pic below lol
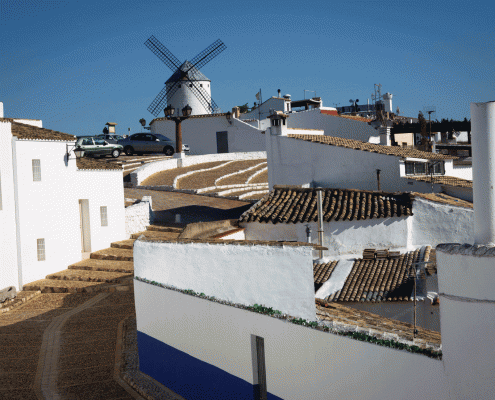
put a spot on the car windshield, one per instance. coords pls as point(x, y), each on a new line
point(163, 138)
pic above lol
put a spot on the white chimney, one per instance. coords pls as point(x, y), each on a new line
point(387, 101)
point(1, 109)
point(483, 147)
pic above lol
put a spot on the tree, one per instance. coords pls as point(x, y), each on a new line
point(244, 108)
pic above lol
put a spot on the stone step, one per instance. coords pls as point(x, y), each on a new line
point(90, 276)
point(123, 244)
point(59, 286)
point(156, 235)
point(104, 265)
point(178, 228)
point(112, 254)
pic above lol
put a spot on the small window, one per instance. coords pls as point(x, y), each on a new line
point(36, 170)
point(103, 215)
point(190, 85)
point(41, 249)
point(201, 85)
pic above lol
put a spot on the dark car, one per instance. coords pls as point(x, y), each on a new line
point(141, 143)
point(95, 147)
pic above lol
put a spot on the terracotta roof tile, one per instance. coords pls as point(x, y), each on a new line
point(24, 131)
point(323, 271)
point(88, 163)
point(370, 147)
point(290, 204)
point(385, 279)
point(443, 180)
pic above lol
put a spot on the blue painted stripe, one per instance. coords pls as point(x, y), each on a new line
point(189, 377)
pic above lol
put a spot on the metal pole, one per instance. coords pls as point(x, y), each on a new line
point(319, 199)
point(178, 135)
point(415, 331)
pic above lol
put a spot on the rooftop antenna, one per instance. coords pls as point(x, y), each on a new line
point(376, 96)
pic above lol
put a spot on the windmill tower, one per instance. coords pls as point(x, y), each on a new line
point(187, 85)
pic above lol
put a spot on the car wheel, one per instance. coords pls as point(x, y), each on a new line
point(129, 151)
point(168, 151)
point(115, 153)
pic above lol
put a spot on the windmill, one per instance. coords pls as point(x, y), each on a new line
point(187, 85)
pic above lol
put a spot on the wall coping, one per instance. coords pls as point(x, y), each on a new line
point(476, 250)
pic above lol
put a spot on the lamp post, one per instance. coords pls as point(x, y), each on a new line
point(169, 114)
point(415, 265)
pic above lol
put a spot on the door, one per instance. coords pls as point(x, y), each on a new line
point(222, 142)
point(84, 226)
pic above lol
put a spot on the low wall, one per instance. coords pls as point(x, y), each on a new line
point(275, 276)
point(138, 216)
point(149, 169)
point(211, 345)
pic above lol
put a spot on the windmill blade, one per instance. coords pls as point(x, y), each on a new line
point(163, 53)
point(206, 101)
point(158, 104)
point(208, 54)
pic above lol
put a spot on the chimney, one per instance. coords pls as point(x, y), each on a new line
point(1, 109)
point(483, 148)
point(279, 93)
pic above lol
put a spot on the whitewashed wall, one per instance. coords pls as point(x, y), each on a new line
point(435, 223)
point(238, 273)
point(460, 192)
point(200, 134)
point(340, 237)
point(49, 209)
point(8, 263)
point(33, 122)
point(137, 217)
point(462, 171)
point(275, 103)
point(467, 318)
point(332, 125)
point(301, 363)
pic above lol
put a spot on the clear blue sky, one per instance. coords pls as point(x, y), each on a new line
point(78, 64)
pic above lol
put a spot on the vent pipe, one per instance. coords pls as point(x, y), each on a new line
point(279, 93)
point(483, 148)
point(319, 200)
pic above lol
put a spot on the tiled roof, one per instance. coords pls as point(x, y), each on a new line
point(443, 180)
point(444, 199)
point(323, 271)
point(233, 242)
point(341, 314)
point(293, 204)
point(387, 279)
point(88, 163)
point(372, 148)
point(24, 131)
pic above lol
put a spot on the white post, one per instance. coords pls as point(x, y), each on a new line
point(319, 201)
point(1, 109)
point(483, 147)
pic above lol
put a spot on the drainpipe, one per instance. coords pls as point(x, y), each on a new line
point(319, 199)
point(378, 179)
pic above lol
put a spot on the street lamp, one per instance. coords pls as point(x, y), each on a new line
point(415, 265)
point(186, 113)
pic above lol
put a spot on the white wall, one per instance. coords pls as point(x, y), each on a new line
point(332, 125)
point(464, 193)
point(467, 304)
point(185, 96)
point(462, 171)
point(243, 274)
point(275, 103)
point(301, 363)
point(200, 134)
point(8, 263)
point(137, 217)
point(49, 209)
point(435, 223)
point(33, 122)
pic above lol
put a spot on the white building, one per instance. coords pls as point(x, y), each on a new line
point(213, 133)
point(52, 209)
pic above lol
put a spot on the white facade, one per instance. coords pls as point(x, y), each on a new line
point(263, 111)
point(187, 95)
point(206, 134)
point(244, 274)
point(50, 208)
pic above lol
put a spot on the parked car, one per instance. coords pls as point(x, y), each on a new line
point(95, 147)
point(141, 143)
point(110, 138)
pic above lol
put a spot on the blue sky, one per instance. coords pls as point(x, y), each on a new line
point(78, 64)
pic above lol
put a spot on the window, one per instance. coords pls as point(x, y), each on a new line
point(180, 86)
point(103, 215)
point(422, 168)
point(87, 142)
point(201, 85)
point(36, 170)
point(41, 249)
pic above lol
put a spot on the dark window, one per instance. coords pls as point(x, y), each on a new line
point(137, 137)
point(180, 86)
point(422, 168)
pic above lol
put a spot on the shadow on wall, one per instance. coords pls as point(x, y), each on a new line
point(195, 213)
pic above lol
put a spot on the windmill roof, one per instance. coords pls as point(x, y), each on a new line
point(194, 74)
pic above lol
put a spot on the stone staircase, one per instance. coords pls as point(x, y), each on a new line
point(106, 270)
